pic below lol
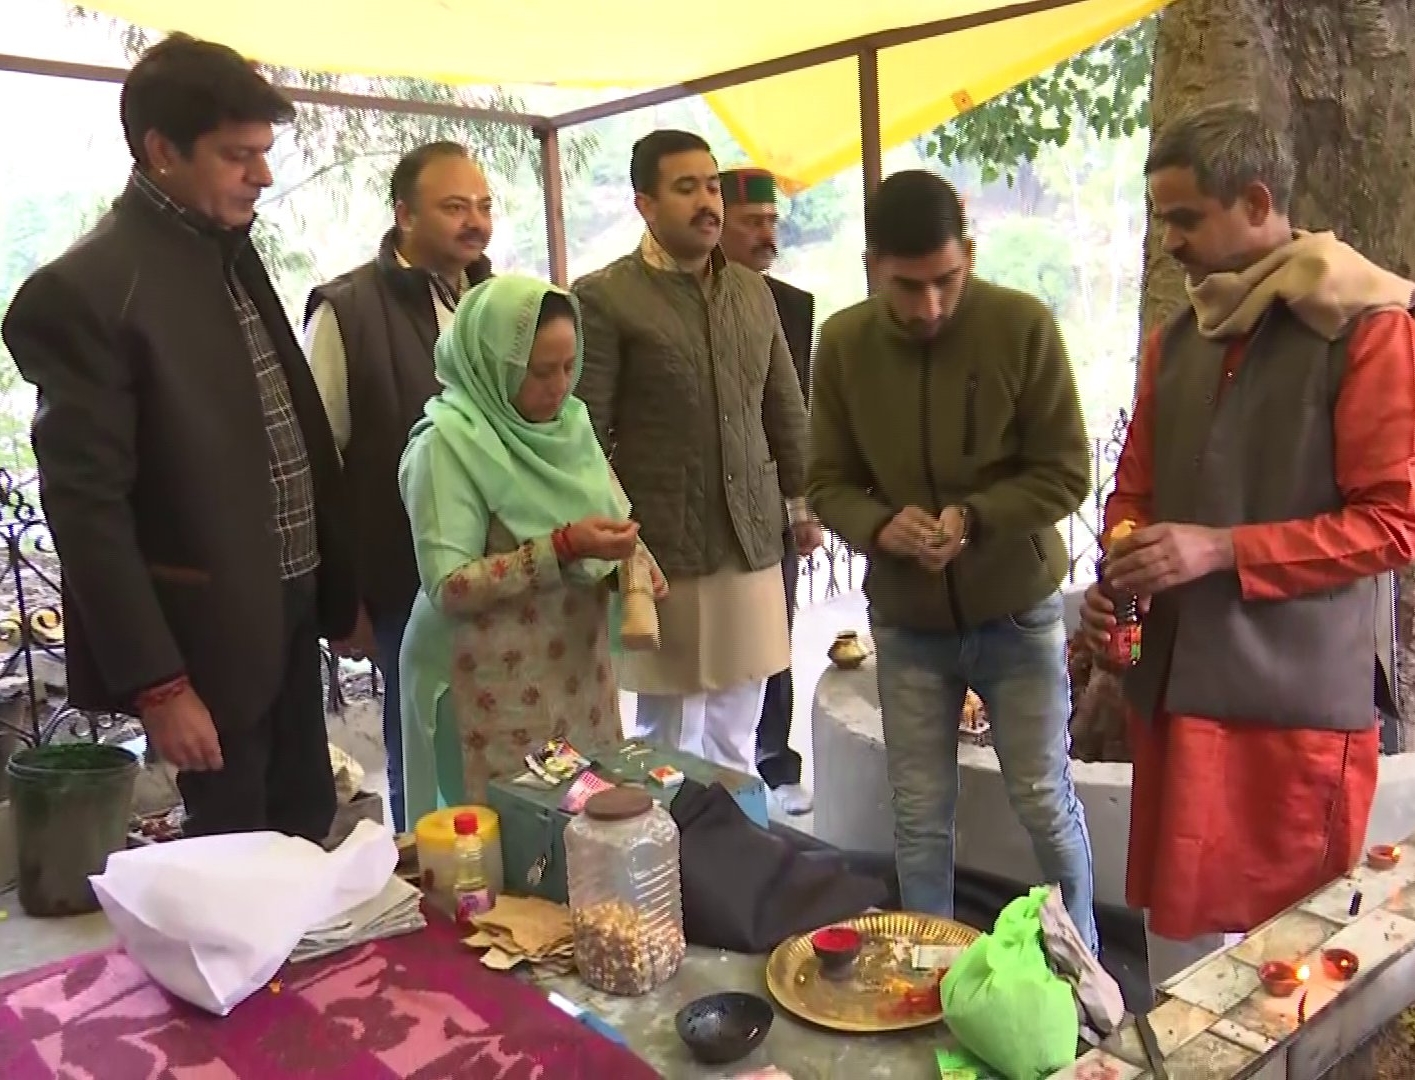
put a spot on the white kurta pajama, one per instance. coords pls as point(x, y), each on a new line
point(722, 635)
point(721, 638)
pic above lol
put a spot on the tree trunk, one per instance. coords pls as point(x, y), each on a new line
point(1339, 76)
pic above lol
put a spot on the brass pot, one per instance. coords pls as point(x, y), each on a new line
point(846, 651)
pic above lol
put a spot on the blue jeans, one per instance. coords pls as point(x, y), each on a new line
point(1017, 665)
point(388, 634)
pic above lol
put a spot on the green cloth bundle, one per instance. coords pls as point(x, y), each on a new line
point(1003, 1003)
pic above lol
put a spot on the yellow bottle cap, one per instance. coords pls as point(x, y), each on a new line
point(1119, 531)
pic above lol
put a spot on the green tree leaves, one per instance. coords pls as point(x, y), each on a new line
point(1106, 89)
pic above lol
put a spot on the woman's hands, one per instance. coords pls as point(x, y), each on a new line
point(599, 538)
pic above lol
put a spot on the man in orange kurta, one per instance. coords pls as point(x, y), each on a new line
point(1269, 466)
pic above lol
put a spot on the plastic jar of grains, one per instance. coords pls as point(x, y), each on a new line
point(626, 903)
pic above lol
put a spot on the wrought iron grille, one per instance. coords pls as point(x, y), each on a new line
point(32, 631)
point(33, 709)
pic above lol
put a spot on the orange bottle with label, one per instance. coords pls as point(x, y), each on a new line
point(1122, 650)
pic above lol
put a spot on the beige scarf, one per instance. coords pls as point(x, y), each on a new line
point(1324, 282)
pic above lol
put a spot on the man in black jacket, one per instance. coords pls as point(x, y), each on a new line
point(186, 468)
point(370, 336)
point(749, 238)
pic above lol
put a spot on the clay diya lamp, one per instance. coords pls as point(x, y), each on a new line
point(1340, 965)
point(1280, 978)
point(837, 948)
point(1383, 857)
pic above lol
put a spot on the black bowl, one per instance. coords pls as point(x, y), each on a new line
point(723, 1028)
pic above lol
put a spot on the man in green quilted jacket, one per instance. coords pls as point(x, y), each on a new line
point(689, 381)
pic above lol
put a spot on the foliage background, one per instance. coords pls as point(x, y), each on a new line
point(1050, 171)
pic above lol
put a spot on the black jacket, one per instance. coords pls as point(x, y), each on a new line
point(154, 467)
point(797, 309)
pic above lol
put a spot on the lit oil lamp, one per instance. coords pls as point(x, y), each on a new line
point(1383, 857)
point(1280, 979)
point(1340, 965)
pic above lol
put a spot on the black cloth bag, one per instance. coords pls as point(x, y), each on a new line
point(747, 890)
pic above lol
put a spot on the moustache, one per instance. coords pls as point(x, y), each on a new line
point(472, 236)
point(706, 217)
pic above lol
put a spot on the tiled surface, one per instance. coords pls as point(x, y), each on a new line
point(1377, 888)
point(1099, 1065)
point(1217, 985)
point(1175, 1022)
point(1205, 1057)
point(1404, 903)
point(1295, 934)
point(1216, 1022)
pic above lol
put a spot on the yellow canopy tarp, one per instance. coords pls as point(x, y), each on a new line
point(803, 125)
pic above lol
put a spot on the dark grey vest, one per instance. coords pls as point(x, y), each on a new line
point(389, 327)
point(1260, 449)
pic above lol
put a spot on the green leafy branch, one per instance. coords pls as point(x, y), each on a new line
point(1105, 88)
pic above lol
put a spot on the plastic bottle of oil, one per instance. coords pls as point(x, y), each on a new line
point(471, 892)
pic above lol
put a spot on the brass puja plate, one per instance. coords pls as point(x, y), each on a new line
point(860, 1003)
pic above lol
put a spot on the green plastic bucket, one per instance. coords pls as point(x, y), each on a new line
point(70, 804)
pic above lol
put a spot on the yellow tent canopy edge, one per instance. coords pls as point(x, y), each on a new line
point(803, 125)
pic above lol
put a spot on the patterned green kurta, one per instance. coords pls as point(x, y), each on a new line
point(502, 651)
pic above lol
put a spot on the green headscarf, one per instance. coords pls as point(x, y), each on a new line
point(534, 477)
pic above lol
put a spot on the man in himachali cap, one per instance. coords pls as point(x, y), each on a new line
point(749, 237)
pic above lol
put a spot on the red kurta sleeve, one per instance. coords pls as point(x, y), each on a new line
point(1374, 427)
point(1134, 472)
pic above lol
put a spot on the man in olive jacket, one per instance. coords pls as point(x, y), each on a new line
point(947, 442)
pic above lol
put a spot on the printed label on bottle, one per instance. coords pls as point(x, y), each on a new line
point(472, 902)
point(1123, 647)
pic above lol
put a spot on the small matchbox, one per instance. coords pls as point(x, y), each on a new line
point(666, 776)
point(932, 957)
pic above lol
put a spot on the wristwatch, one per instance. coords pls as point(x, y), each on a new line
point(967, 528)
point(942, 536)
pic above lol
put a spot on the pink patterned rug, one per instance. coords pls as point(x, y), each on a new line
point(419, 1007)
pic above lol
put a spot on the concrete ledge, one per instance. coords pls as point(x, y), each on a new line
point(1340, 1030)
point(853, 811)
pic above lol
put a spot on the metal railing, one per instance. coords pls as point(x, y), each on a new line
point(33, 708)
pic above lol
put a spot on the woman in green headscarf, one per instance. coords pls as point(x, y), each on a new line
point(508, 642)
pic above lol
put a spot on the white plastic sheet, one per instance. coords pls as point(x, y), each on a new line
point(213, 918)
